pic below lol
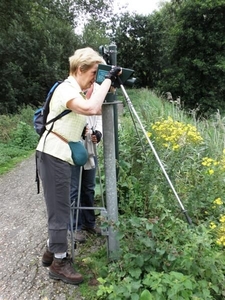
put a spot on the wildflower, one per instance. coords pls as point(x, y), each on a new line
point(176, 147)
point(222, 219)
point(221, 241)
point(218, 201)
point(210, 171)
point(207, 162)
point(212, 225)
point(175, 134)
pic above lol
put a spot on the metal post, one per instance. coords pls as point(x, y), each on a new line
point(110, 176)
point(113, 61)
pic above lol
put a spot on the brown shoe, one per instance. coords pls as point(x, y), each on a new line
point(94, 230)
point(47, 258)
point(79, 237)
point(62, 269)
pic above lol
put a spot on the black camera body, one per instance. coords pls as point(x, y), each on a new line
point(109, 54)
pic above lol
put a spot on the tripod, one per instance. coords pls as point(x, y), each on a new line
point(76, 207)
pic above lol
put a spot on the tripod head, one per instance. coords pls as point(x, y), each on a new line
point(109, 53)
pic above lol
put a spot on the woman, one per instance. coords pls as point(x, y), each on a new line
point(54, 154)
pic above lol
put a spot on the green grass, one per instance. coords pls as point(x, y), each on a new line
point(10, 157)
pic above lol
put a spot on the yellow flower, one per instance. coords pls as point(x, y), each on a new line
point(206, 161)
point(176, 147)
point(212, 225)
point(222, 219)
point(175, 134)
point(210, 171)
point(221, 241)
point(218, 201)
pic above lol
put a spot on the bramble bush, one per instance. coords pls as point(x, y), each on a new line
point(23, 137)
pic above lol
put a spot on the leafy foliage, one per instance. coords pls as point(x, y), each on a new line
point(34, 48)
point(178, 49)
point(18, 138)
point(197, 59)
point(165, 257)
point(137, 47)
point(161, 256)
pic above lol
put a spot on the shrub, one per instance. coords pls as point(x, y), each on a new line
point(24, 137)
point(18, 138)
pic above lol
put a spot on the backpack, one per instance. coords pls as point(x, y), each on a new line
point(39, 121)
point(40, 115)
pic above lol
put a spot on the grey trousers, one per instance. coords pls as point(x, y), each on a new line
point(55, 175)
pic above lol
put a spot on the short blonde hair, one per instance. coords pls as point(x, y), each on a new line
point(84, 58)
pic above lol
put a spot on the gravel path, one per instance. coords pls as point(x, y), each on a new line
point(23, 233)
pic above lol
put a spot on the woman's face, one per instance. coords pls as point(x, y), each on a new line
point(86, 79)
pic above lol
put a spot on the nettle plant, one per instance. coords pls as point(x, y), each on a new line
point(163, 258)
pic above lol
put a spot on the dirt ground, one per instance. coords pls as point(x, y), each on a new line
point(23, 234)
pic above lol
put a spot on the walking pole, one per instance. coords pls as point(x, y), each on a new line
point(77, 214)
point(130, 105)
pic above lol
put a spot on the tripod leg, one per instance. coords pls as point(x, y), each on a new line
point(99, 175)
point(154, 151)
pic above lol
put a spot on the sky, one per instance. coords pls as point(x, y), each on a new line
point(144, 7)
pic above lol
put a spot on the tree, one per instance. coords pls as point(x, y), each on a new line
point(134, 37)
point(94, 35)
point(197, 69)
point(180, 49)
point(36, 39)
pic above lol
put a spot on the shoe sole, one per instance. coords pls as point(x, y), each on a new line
point(80, 241)
point(46, 264)
point(64, 279)
point(92, 231)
